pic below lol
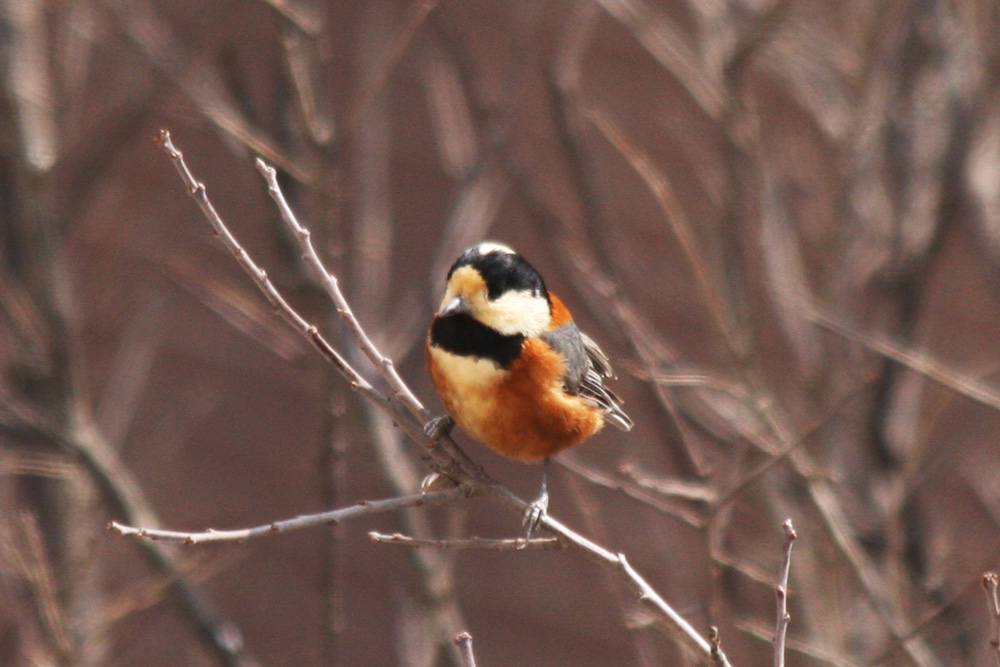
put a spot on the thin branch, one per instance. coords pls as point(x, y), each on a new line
point(920, 363)
point(680, 225)
point(634, 490)
point(990, 585)
point(123, 493)
point(679, 629)
point(675, 625)
point(823, 655)
point(305, 19)
point(515, 544)
point(259, 276)
point(22, 546)
point(415, 16)
point(332, 286)
point(448, 459)
point(876, 590)
point(478, 483)
point(329, 518)
point(464, 643)
point(668, 44)
point(157, 42)
point(824, 498)
point(436, 578)
point(719, 658)
point(781, 590)
point(383, 363)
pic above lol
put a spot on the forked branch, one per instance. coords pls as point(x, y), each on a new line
point(410, 415)
point(331, 518)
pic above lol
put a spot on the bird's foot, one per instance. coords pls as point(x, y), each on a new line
point(439, 426)
point(535, 513)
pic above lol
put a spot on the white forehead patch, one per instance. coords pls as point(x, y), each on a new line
point(486, 247)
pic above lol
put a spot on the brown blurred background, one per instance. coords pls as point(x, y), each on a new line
point(781, 218)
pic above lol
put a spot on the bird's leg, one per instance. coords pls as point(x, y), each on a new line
point(540, 506)
point(439, 426)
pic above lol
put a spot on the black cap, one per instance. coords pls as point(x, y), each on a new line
point(502, 269)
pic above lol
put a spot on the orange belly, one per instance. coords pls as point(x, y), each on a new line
point(522, 412)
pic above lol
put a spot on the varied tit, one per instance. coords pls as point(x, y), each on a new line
point(511, 366)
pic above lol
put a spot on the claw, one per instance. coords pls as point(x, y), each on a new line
point(535, 513)
point(439, 426)
point(538, 509)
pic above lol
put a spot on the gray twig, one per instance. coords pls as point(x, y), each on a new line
point(514, 544)
point(330, 518)
point(719, 658)
point(781, 628)
point(991, 581)
point(464, 643)
point(475, 483)
point(332, 287)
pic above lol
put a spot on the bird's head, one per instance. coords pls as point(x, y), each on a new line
point(497, 287)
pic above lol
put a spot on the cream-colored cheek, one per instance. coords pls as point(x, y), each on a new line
point(516, 313)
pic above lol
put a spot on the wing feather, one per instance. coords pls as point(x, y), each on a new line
point(586, 369)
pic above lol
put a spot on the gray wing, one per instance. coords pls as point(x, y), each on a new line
point(586, 369)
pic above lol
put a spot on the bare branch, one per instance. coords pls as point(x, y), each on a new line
point(676, 626)
point(332, 286)
point(418, 11)
point(464, 644)
point(633, 489)
point(680, 225)
point(515, 544)
point(383, 363)
point(719, 658)
point(22, 546)
point(300, 15)
point(196, 80)
point(667, 43)
point(330, 518)
point(765, 633)
point(781, 628)
point(259, 276)
point(919, 363)
point(990, 585)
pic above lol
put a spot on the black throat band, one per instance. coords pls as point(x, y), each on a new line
point(462, 335)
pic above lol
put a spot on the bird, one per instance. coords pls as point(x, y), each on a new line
point(511, 366)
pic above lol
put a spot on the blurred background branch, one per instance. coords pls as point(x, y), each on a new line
point(782, 219)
